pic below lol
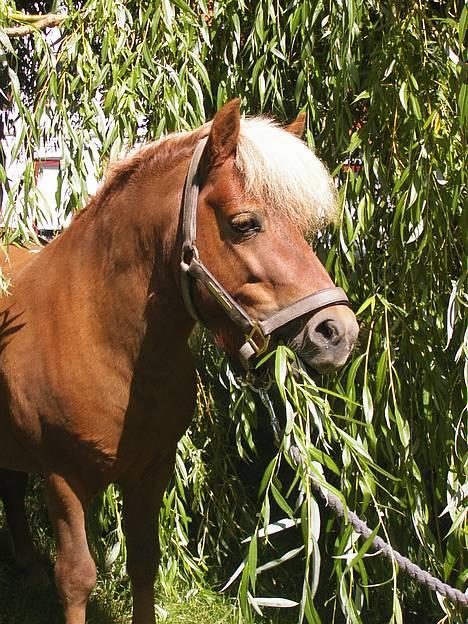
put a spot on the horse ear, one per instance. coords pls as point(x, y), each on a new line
point(224, 134)
point(297, 127)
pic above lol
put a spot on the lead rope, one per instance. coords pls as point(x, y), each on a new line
point(420, 575)
point(332, 501)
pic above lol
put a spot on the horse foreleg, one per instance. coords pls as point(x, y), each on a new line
point(142, 500)
point(12, 492)
point(75, 571)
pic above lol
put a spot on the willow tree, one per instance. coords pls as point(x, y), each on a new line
point(384, 88)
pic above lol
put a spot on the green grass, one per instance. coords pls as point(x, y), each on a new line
point(106, 606)
point(110, 602)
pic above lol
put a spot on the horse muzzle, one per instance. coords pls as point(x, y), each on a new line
point(327, 338)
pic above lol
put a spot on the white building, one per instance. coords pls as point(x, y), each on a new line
point(50, 217)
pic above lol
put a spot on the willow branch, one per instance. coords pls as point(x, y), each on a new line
point(36, 22)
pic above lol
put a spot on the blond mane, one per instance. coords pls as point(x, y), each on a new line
point(281, 172)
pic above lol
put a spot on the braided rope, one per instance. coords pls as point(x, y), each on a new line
point(421, 576)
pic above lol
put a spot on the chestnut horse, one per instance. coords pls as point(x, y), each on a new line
point(97, 383)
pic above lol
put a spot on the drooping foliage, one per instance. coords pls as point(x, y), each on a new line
point(384, 88)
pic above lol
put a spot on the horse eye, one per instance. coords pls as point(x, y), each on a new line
point(246, 224)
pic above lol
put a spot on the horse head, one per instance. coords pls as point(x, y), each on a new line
point(248, 271)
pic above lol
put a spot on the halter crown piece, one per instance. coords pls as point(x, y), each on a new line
point(257, 333)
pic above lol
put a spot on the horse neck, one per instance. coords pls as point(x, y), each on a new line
point(129, 248)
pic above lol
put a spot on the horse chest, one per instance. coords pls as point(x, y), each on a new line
point(159, 410)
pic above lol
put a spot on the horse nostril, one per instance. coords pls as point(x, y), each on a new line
point(330, 331)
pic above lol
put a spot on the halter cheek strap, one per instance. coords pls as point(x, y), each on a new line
point(257, 333)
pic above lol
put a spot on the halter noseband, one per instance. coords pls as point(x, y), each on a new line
point(257, 333)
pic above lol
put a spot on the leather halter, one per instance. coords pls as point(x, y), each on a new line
point(256, 332)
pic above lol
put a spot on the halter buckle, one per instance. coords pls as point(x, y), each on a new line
point(257, 333)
